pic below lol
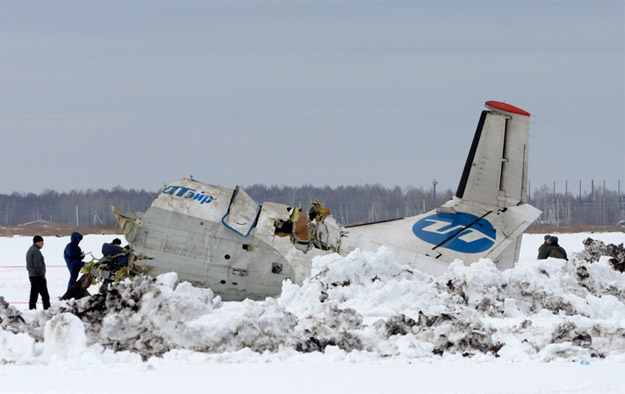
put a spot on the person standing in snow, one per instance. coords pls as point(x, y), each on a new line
point(73, 258)
point(36, 267)
point(553, 250)
point(544, 245)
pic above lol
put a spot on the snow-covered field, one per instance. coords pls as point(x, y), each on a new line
point(361, 323)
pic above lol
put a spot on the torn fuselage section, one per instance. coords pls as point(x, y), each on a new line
point(306, 230)
point(221, 238)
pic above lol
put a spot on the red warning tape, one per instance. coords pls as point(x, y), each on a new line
point(23, 302)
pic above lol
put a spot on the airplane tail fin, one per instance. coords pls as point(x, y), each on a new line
point(495, 172)
point(487, 216)
point(493, 186)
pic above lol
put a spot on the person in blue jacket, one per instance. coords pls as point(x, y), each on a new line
point(73, 258)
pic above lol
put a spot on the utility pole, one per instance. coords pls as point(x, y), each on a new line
point(77, 214)
point(592, 187)
point(555, 205)
point(580, 189)
point(603, 201)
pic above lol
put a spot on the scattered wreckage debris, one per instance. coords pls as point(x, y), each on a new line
point(105, 271)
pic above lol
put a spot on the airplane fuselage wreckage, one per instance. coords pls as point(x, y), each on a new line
point(220, 238)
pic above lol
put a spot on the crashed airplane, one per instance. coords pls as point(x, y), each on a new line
point(221, 238)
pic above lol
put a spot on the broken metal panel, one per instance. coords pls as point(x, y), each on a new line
point(327, 233)
point(273, 217)
point(242, 213)
point(282, 244)
point(304, 230)
point(302, 226)
point(128, 222)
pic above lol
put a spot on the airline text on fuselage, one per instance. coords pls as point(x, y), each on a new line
point(187, 192)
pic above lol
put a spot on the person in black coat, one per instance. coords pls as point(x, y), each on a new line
point(36, 267)
point(543, 245)
point(114, 248)
point(73, 258)
point(553, 250)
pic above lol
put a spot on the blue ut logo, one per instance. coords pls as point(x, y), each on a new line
point(438, 228)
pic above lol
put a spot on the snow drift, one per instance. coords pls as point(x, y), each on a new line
point(361, 307)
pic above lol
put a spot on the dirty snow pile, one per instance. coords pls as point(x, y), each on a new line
point(360, 308)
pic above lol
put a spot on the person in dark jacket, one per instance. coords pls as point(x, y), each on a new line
point(36, 267)
point(115, 248)
point(553, 250)
point(73, 258)
point(544, 245)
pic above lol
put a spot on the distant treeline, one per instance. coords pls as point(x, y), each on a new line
point(349, 204)
point(355, 204)
point(79, 208)
point(600, 207)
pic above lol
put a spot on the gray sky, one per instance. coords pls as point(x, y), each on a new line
point(99, 94)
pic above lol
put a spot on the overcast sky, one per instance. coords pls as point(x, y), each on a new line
point(99, 94)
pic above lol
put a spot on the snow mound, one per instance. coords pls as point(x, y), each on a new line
point(595, 249)
point(364, 306)
point(65, 338)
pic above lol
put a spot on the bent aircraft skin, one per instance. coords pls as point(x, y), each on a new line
point(221, 238)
